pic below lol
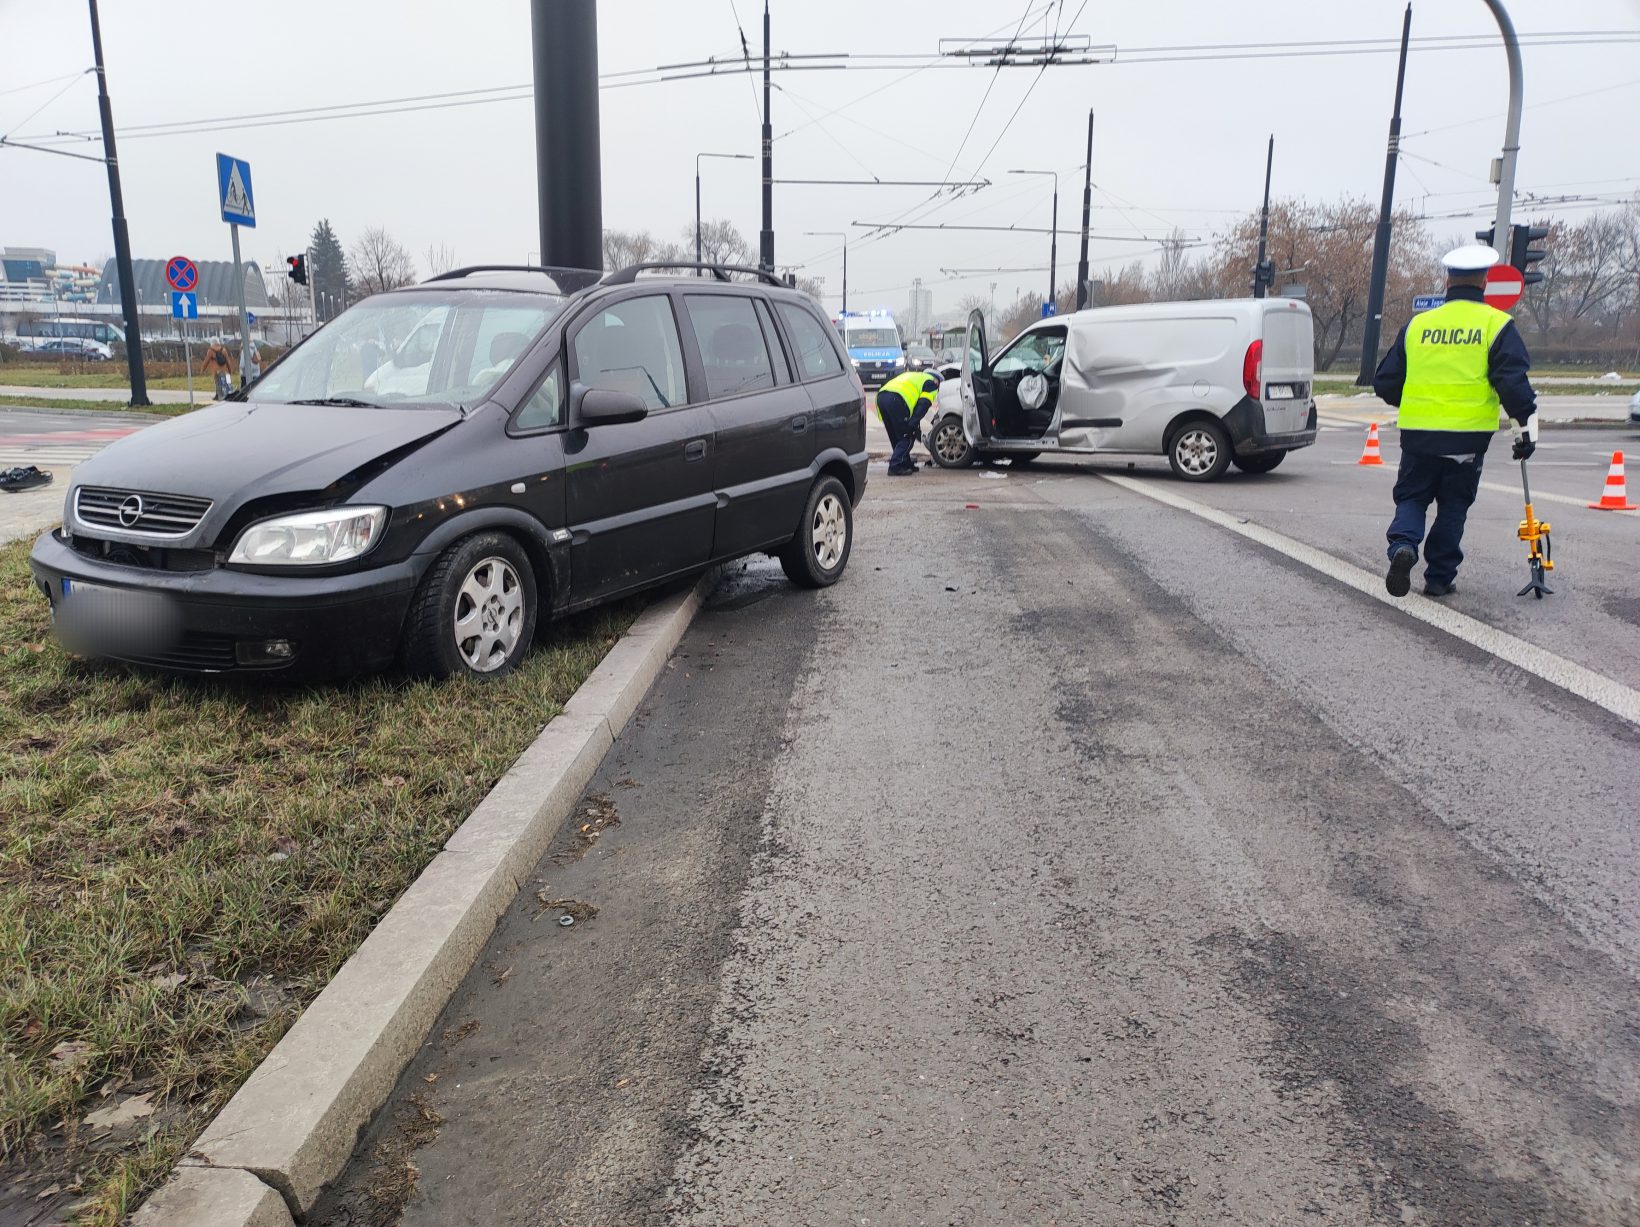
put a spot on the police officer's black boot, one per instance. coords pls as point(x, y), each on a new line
point(1399, 579)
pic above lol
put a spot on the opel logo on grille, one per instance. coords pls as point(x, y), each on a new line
point(131, 510)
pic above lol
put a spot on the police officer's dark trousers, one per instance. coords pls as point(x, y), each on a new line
point(902, 430)
point(1451, 483)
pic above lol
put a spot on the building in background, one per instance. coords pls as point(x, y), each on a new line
point(26, 274)
point(216, 285)
point(920, 313)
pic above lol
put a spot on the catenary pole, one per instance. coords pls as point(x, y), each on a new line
point(1373, 329)
point(1261, 271)
point(568, 164)
point(1087, 212)
point(122, 236)
point(765, 238)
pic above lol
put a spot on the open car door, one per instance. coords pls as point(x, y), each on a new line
point(977, 419)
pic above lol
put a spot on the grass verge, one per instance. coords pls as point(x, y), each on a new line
point(28, 375)
point(185, 864)
point(104, 406)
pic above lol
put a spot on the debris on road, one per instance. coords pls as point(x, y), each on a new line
point(573, 909)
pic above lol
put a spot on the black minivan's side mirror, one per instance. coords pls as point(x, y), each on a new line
point(604, 406)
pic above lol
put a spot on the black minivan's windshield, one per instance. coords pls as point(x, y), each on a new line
point(418, 348)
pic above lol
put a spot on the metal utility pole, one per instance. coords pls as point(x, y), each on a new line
point(1263, 274)
point(765, 238)
point(1087, 212)
point(568, 165)
point(122, 236)
point(1380, 243)
point(835, 234)
point(743, 157)
point(1053, 242)
point(1511, 133)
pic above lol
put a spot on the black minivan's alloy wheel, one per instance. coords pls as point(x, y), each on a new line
point(475, 611)
point(816, 556)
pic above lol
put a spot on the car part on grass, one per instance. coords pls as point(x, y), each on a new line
point(24, 477)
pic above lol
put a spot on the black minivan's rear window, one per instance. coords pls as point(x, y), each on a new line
point(816, 356)
point(731, 344)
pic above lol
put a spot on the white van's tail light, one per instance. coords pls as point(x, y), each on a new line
point(1252, 368)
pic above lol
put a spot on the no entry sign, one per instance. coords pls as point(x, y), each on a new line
point(1504, 286)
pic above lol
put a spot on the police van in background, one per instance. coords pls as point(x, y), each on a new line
point(873, 344)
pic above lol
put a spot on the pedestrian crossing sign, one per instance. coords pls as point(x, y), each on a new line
point(233, 181)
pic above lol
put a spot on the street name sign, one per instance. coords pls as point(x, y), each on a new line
point(1427, 302)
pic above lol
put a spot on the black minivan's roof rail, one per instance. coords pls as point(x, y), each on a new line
point(589, 276)
point(629, 274)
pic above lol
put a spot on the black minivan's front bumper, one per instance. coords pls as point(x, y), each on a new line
point(224, 621)
point(1249, 437)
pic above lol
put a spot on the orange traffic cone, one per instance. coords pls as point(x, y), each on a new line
point(1371, 455)
point(1615, 497)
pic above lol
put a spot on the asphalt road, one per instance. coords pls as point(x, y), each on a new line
point(1078, 859)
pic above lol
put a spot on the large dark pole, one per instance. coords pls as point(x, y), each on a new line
point(568, 165)
point(1263, 275)
point(1087, 211)
point(765, 239)
point(845, 272)
point(1373, 329)
point(697, 213)
point(1053, 249)
point(122, 237)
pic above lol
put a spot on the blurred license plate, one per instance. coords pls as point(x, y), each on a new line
point(95, 617)
point(1279, 391)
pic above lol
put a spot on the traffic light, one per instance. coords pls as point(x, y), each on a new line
point(1485, 237)
point(1264, 276)
point(1523, 255)
point(298, 269)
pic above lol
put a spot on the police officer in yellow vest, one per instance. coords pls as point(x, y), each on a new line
point(901, 403)
point(1449, 371)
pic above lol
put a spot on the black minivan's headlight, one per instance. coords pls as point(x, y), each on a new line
point(310, 538)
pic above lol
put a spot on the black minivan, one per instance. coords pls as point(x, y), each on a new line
point(441, 467)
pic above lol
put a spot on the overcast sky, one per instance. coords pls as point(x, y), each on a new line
point(1176, 144)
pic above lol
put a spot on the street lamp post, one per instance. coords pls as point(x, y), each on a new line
point(1053, 246)
point(738, 157)
point(835, 234)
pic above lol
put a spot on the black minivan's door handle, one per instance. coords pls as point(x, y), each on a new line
point(799, 425)
point(695, 450)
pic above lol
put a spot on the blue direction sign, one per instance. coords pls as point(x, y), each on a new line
point(1428, 302)
point(184, 306)
point(233, 182)
point(1048, 309)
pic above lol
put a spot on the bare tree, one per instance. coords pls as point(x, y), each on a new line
point(440, 259)
point(720, 243)
point(380, 262)
point(625, 247)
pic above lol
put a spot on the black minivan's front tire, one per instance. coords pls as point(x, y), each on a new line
point(1199, 451)
point(474, 612)
point(1260, 462)
point(816, 556)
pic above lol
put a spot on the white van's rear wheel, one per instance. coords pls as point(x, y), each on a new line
point(1260, 462)
point(1200, 451)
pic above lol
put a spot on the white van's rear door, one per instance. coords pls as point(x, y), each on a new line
point(1288, 366)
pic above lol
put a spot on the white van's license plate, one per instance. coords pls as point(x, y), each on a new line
point(1279, 391)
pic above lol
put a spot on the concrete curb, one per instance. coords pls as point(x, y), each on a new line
point(293, 1124)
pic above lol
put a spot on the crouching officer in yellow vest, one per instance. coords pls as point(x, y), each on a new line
point(1449, 371)
point(901, 403)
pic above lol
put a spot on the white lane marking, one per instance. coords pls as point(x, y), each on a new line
point(1543, 496)
point(1570, 676)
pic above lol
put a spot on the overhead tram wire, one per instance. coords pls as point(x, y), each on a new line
point(837, 62)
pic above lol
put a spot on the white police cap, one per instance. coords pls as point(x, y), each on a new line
point(1471, 259)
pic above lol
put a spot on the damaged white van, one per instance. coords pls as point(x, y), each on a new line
point(1206, 384)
